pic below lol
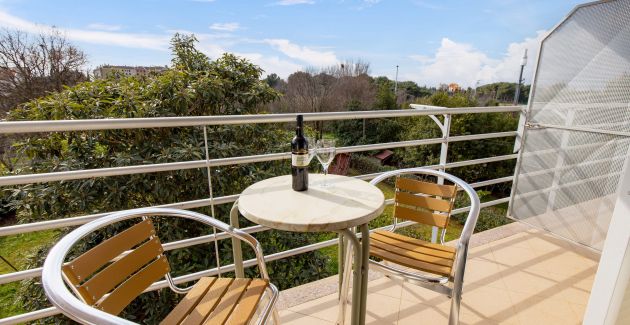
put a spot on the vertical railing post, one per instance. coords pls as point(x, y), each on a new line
point(211, 194)
point(446, 132)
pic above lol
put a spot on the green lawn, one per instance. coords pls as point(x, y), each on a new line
point(17, 249)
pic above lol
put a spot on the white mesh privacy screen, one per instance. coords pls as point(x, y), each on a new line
point(569, 169)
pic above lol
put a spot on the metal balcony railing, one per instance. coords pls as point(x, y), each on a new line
point(204, 121)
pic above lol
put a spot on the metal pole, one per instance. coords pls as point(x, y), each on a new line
point(396, 83)
point(517, 94)
point(446, 133)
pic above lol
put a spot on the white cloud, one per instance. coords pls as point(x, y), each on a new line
point(272, 64)
point(303, 53)
point(294, 2)
point(146, 41)
point(465, 65)
point(225, 27)
point(104, 27)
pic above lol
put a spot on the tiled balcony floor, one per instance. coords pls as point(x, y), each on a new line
point(526, 278)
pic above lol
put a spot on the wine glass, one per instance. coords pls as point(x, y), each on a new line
point(325, 152)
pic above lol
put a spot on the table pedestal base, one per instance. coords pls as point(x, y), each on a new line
point(349, 246)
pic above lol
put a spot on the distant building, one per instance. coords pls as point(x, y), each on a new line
point(453, 88)
point(107, 70)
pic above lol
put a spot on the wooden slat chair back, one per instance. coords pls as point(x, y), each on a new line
point(109, 276)
point(109, 282)
point(424, 202)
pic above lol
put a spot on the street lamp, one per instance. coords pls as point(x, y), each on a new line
point(517, 94)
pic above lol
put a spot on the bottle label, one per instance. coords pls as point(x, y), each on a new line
point(299, 160)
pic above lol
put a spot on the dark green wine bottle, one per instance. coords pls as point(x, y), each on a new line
point(299, 157)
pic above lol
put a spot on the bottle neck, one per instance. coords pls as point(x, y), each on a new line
point(299, 132)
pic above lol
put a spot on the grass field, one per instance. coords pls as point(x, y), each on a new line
point(17, 249)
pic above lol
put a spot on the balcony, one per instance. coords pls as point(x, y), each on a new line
point(514, 275)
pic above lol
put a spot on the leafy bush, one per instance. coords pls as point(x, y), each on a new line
point(195, 86)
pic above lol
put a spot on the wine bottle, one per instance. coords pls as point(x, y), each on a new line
point(299, 157)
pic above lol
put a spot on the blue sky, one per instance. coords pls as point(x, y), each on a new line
point(432, 41)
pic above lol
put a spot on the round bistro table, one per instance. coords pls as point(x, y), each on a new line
point(345, 203)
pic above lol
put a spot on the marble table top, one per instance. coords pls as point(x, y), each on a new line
point(346, 202)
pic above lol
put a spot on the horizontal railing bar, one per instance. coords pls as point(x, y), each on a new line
point(187, 121)
point(208, 238)
point(482, 205)
point(480, 161)
point(77, 221)
point(30, 316)
point(579, 129)
point(492, 181)
point(162, 167)
point(482, 136)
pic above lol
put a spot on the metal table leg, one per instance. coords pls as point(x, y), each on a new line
point(346, 264)
point(237, 251)
point(341, 261)
point(365, 267)
point(357, 281)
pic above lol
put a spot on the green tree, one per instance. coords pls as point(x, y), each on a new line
point(195, 86)
point(462, 124)
point(385, 98)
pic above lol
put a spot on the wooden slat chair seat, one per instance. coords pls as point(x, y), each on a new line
point(112, 274)
point(219, 301)
point(434, 266)
point(413, 253)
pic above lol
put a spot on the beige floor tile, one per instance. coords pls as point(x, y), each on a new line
point(323, 308)
point(288, 317)
point(518, 257)
point(517, 240)
point(578, 310)
point(414, 313)
point(569, 263)
point(482, 252)
point(414, 293)
point(467, 317)
point(529, 282)
point(418, 313)
point(543, 310)
point(381, 309)
point(386, 286)
point(481, 272)
point(575, 289)
point(488, 303)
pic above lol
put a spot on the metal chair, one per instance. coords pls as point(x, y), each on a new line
point(106, 278)
point(434, 266)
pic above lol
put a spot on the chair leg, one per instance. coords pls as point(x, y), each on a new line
point(456, 299)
